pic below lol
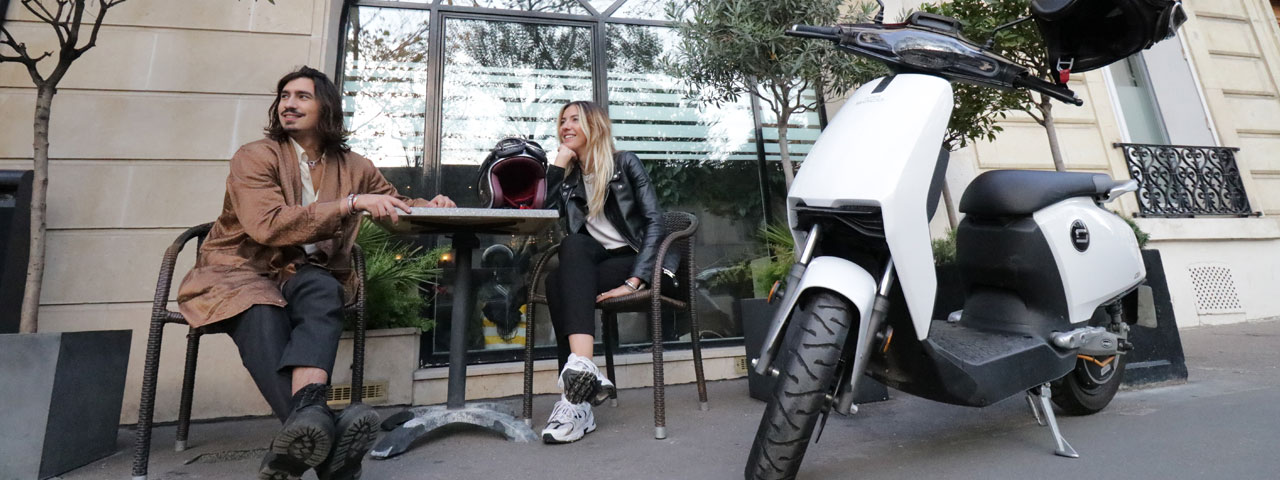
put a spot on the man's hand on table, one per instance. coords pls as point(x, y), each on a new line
point(388, 207)
point(441, 201)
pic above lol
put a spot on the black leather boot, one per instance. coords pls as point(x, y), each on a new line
point(306, 438)
point(357, 429)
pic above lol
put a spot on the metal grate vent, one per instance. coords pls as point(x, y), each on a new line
point(374, 392)
point(1215, 289)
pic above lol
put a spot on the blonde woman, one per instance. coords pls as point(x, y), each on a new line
point(610, 212)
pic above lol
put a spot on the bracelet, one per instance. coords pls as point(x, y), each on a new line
point(351, 203)
point(634, 288)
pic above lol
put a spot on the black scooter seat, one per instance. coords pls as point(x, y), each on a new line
point(1007, 193)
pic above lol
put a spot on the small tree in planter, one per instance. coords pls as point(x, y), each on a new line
point(65, 389)
point(67, 19)
point(978, 108)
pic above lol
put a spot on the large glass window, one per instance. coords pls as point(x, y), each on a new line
point(646, 9)
point(385, 84)
point(551, 6)
point(504, 79)
point(1137, 101)
point(430, 86)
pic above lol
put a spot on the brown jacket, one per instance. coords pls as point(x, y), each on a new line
point(256, 243)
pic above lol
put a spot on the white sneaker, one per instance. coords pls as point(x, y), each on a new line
point(582, 381)
point(569, 422)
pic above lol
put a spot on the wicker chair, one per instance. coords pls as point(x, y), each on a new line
point(678, 229)
point(160, 315)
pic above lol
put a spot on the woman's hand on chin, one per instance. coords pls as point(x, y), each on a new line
point(565, 156)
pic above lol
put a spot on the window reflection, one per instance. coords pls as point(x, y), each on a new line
point(504, 79)
point(648, 9)
point(385, 84)
point(702, 159)
point(549, 6)
point(602, 5)
point(506, 76)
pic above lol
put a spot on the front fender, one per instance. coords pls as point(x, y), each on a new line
point(838, 275)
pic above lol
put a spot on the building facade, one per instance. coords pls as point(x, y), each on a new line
point(145, 122)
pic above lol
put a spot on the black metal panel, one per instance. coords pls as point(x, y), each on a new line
point(1157, 354)
point(1185, 181)
point(15, 241)
point(84, 407)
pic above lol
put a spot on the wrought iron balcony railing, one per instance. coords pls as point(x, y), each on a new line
point(1186, 181)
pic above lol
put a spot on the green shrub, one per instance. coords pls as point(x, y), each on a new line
point(781, 254)
point(399, 280)
point(944, 249)
point(1142, 236)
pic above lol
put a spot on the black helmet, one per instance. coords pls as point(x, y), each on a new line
point(514, 175)
point(1083, 35)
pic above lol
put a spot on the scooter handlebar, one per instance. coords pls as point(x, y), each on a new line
point(1059, 92)
point(811, 31)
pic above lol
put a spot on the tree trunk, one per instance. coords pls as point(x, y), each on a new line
point(784, 150)
point(39, 193)
point(1046, 109)
point(949, 205)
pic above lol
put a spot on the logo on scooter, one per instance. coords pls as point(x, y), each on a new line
point(1079, 236)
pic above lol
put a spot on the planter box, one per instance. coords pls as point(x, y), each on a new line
point(1157, 352)
point(390, 358)
point(755, 314)
point(61, 393)
point(15, 235)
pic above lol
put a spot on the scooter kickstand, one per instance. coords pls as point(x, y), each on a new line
point(1064, 448)
point(1033, 402)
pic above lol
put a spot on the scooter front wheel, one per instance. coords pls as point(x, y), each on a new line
point(808, 363)
point(1090, 386)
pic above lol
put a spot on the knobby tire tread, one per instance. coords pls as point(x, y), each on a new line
point(807, 364)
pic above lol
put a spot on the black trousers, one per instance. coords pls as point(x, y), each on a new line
point(586, 270)
point(274, 340)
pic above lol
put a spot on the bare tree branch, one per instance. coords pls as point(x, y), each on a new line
point(23, 57)
point(53, 19)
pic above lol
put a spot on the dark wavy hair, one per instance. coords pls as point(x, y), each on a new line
point(333, 137)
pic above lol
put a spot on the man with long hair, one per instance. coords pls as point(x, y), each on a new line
point(275, 272)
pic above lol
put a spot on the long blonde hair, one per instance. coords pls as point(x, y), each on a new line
point(598, 158)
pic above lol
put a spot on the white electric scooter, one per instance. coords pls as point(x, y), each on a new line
point(1044, 266)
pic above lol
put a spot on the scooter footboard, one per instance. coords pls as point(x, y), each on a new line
point(964, 366)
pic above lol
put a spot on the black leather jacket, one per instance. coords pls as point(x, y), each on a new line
point(631, 206)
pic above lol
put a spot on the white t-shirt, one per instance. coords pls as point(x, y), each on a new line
point(308, 190)
point(599, 227)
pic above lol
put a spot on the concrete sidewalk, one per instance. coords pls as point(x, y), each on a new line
point(1223, 423)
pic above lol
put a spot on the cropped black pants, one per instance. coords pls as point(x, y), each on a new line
point(274, 340)
point(586, 270)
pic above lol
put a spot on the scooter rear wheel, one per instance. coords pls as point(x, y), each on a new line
point(808, 363)
point(1089, 387)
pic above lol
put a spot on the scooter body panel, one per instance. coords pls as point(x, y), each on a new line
point(884, 158)
point(1095, 251)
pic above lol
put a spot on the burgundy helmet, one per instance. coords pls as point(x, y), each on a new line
point(514, 175)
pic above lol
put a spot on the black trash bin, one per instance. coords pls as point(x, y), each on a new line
point(15, 240)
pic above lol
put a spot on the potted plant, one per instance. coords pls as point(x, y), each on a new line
point(400, 282)
point(757, 313)
point(1157, 355)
